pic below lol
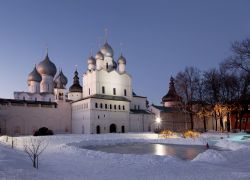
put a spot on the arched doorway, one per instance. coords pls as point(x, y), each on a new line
point(123, 129)
point(112, 128)
point(98, 129)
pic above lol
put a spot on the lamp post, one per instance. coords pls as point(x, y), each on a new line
point(158, 121)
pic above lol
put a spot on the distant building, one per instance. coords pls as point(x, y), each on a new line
point(172, 113)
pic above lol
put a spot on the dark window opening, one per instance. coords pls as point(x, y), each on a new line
point(101, 105)
point(114, 91)
point(114, 106)
point(96, 105)
point(107, 65)
point(110, 106)
point(103, 90)
point(125, 92)
point(123, 129)
point(98, 129)
point(119, 107)
point(106, 106)
point(89, 91)
point(123, 107)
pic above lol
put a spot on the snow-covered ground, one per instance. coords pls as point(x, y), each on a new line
point(63, 159)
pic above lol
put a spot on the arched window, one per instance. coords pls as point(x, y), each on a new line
point(125, 92)
point(110, 106)
point(103, 90)
point(101, 105)
point(114, 106)
point(123, 107)
point(106, 106)
point(123, 129)
point(119, 107)
point(96, 105)
point(98, 129)
point(107, 65)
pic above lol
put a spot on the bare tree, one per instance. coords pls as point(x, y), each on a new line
point(34, 148)
point(240, 58)
point(187, 86)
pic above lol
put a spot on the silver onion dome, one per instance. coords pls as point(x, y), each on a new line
point(91, 60)
point(34, 76)
point(122, 60)
point(107, 50)
point(61, 80)
point(99, 55)
point(46, 67)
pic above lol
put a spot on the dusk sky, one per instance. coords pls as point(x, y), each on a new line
point(160, 37)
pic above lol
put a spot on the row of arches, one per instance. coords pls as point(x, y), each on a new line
point(112, 129)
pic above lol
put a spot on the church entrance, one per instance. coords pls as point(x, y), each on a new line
point(112, 128)
point(98, 129)
point(123, 129)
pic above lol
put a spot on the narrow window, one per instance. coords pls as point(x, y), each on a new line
point(110, 106)
point(125, 92)
point(134, 107)
point(107, 65)
point(138, 107)
point(96, 105)
point(101, 105)
point(103, 90)
point(114, 91)
point(106, 106)
point(98, 117)
point(114, 106)
point(119, 107)
point(123, 107)
point(89, 91)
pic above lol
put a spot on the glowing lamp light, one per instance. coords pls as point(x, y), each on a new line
point(158, 120)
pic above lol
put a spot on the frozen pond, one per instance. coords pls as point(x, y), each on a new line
point(185, 152)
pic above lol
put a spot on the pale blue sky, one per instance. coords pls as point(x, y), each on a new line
point(160, 37)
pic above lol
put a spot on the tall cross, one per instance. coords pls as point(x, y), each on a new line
point(106, 34)
point(47, 48)
point(121, 44)
point(99, 41)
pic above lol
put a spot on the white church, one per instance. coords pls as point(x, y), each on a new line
point(105, 103)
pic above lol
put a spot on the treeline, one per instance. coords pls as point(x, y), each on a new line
point(218, 92)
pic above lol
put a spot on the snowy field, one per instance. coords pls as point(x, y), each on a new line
point(64, 160)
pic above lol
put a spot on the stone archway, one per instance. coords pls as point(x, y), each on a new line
point(112, 128)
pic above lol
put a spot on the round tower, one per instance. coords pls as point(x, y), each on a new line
point(91, 63)
point(34, 79)
point(122, 64)
point(171, 99)
point(60, 83)
point(99, 60)
point(75, 91)
point(47, 70)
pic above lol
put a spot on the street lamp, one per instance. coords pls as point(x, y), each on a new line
point(158, 121)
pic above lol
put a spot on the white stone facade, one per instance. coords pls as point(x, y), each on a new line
point(104, 104)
